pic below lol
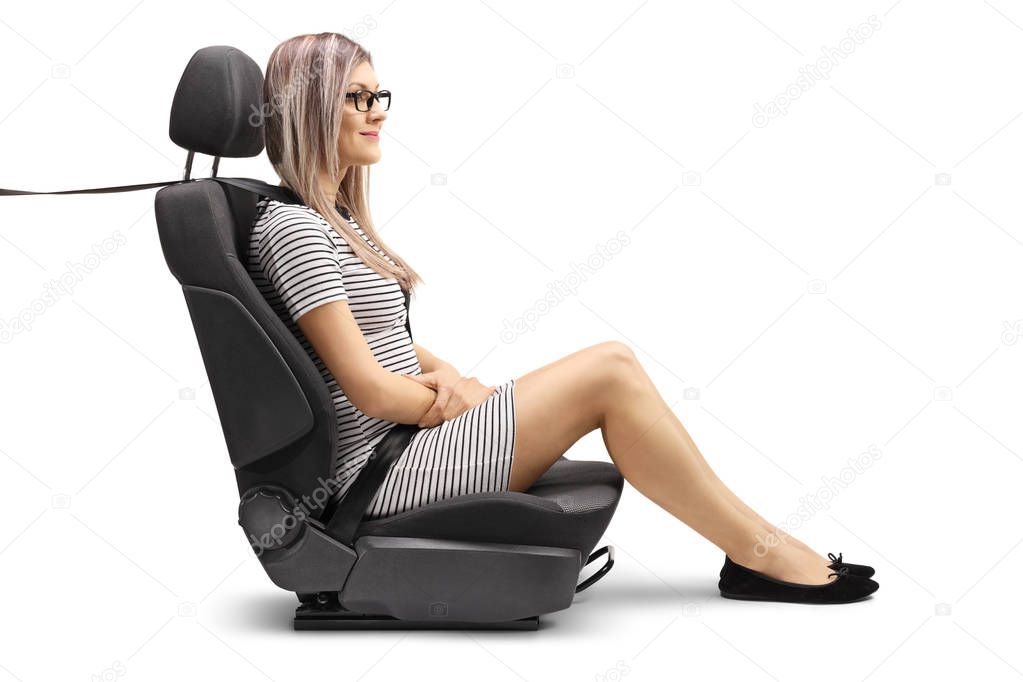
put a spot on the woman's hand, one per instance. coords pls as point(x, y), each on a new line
point(455, 394)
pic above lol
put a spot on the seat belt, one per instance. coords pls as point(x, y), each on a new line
point(278, 192)
point(344, 517)
point(95, 190)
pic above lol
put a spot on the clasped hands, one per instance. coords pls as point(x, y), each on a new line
point(455, 394)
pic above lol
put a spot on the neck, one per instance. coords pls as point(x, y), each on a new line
point(330, 186)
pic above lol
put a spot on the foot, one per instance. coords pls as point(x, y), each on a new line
point(791, 564)
point(739, 582)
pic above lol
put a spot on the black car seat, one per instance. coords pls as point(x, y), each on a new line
point(486, 560)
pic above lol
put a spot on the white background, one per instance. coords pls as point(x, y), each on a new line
point(844, 278)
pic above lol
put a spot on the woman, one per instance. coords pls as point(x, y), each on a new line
point(333, 280)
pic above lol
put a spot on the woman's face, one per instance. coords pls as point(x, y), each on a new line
point(358, 148)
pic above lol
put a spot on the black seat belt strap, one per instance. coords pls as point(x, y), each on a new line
point(344, 519)
point(278, 192)
point(93, 190)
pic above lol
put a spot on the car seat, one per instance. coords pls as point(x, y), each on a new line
point(486, 560)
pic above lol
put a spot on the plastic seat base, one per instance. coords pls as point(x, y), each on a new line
point(324, 612)
point(321, 621)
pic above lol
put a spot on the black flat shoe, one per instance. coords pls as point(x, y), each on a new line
point(739, 582)
point(837, 563)
point(854, 569)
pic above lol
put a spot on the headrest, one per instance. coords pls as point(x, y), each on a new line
point(218, 104)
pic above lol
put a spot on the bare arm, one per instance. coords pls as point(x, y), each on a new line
point(301, 261)
point(374, 390)
point(429, 362)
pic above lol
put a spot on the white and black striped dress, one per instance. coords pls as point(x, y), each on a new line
point(299, 262)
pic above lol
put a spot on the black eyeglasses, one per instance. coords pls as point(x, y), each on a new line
point(364, 99)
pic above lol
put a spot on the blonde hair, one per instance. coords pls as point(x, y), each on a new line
point(306, 77)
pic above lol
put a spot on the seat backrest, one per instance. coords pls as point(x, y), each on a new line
point(274, 407)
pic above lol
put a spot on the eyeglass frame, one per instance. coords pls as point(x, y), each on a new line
point(374, 98)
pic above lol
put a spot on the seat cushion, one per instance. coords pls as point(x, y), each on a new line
point(570, 505)
point(579, 486)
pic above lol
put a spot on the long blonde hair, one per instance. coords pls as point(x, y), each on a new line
point(306, 77)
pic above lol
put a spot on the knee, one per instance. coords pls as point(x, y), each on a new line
point(620, 359)
point(617, 351)
point(612, 373)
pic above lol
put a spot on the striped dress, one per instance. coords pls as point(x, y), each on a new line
point(299, 262)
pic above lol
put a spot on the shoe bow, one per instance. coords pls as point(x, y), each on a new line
point(842, 572)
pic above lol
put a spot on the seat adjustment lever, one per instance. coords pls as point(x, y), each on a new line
point(606, 549)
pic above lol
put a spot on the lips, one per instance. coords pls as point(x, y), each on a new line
point(371, 134)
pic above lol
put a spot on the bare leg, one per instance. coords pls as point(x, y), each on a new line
point(724, 489)
point(605, 387)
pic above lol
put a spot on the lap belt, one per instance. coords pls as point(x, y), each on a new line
point(343, 524)
point(343, 518)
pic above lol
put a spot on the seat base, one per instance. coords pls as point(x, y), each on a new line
point(424, 579)
point(309, 621)
point(323, 611)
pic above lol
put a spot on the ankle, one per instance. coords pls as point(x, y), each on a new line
point(757, 560)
